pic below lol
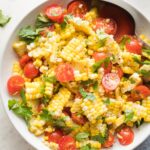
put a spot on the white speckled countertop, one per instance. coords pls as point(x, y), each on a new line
point(9, 138)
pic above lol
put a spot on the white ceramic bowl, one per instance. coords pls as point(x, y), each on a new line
point(9, 57)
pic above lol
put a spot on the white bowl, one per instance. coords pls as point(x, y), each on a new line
point(6, 66)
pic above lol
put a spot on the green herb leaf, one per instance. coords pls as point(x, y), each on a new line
point(123, 42)
point(146, 51)
point(82, 136)
point(146, 62)
point(42, 21)
point(20, 109)
point(106, 62)
point(95, 86)
point(99, 138)
point(86, 147)
point(139, 123)
point(51, 79)
point(87, 95)
point(3, 19)
point(145, 73)
point(136, 59)
point(27, 34)
point(107, 101)
point(23, 97)
point(45, 115)
point(132, 81)
point(129, 116)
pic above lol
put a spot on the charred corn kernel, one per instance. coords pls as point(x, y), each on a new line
point(93, 109)
point(129, 65)
point(33, 90)
point(48, 89)
point(91, 15)
point(76, 107)
point(81, 25)
point(17, 69)
point(68, 32)
point(20, 47)
point(36, 126)
point(74, 50)
point(146, 104)
point(37, 63)
point(59, 100)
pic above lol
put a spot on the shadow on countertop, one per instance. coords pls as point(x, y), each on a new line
point(145, 145)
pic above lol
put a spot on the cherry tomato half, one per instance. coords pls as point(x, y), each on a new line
point(125, 136)
point(67, 143)
point(55, 13)
point(120, 72)
point(109, 142)
point(81, 120)
point(24, 60)
point(77, 8)
point(109, 25)
point(30, 71)
point(15, 84)
point(110, 81)
point(140, 92)
point(64, 73)
point(54, 136)
point(134, 46)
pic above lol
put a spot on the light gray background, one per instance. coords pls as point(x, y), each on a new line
point(9, 138)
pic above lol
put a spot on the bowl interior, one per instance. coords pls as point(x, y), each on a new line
point(7, 61)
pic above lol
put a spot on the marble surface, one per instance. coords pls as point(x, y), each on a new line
point(9, 137)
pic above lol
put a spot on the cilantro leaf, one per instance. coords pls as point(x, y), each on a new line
point(45, 115)
point(81, 136)
point(132, 80)
point(87, 95)
point(3, 19)
point(87, 147)
point(27, 34)
point(99, 138)
point(146, 51)
point(95, 85)
point(145, 73)
point(146, 62)
point(23, 97)
point(42, 21)
point(107, 101)
point(136, 59)
point(20, 109)
point(124, 40)
point(129, 116)
point(51, 79)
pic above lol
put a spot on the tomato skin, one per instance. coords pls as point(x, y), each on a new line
point(120, 72)
point(55, 13)
point(67, 143)
point(15, 84)
point(78, 8)
point(24, 60)
point(64, 73)
point(46, 30)
point(54, 136)
point(134, 46)
point(140, 92)
point(125, 136)
point(109, 25)
point(109, 142)
point(81, 120)
point(30, 71)
point(110, 81)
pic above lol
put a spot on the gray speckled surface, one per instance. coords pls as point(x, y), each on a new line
point(145, 145)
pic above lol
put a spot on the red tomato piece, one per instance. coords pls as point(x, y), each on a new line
point(99, 56)
point(67, 143)
point(125, 136)
point(140, 92)
point(15, 84)
point(109, 142)
point(109, 25)
point(47, 30)
point(120, 72)
point(30, 71)
point(24, 60)
point(81, 120)
point(77, 8)
point(54, 136)
point(110, 81)
point(125, 23)
point(108, 68)
point(64, 73)
point(55, 13)
point(134, 46)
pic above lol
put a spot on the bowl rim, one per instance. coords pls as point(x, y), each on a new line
point(8, 39)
